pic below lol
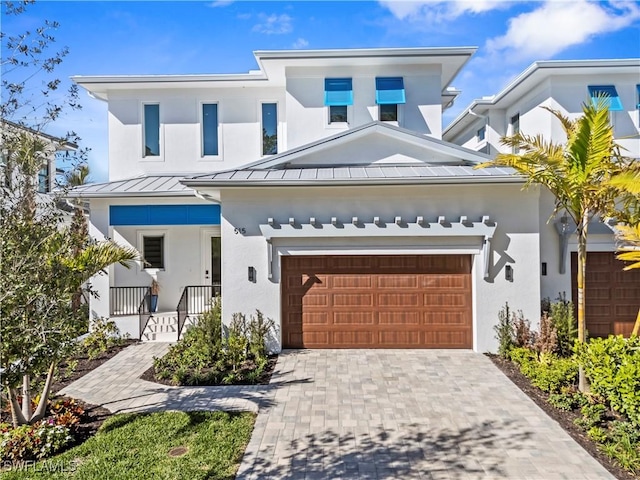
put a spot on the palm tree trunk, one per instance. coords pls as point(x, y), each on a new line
point(26, 396)
point(582, 265)
point(17, 418)
point(44, 397)
point(636, 327)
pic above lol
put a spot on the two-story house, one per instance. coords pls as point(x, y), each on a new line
point(318, 190)
point(613, 296)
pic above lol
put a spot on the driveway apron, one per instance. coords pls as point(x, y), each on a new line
point(404, 414)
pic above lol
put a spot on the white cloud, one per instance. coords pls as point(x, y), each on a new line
point(300, 43)
point(557, 25)
point(220, 3)
point(273, 24)
point(434, 11)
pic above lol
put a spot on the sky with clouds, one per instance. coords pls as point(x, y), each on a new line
point(181, 37)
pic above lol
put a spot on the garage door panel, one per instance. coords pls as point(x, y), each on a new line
point(379, 302)
point(401, 317)
point(406, 300)
point(353, 318)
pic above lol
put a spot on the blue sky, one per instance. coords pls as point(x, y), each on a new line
point(179, 37)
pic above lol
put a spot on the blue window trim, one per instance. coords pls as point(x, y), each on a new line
point(154, 215)
point(613, 100)
point(338, 92)
point(390, 90)
point(638, 88)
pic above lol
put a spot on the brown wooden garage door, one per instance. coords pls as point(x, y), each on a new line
point(613, 295)
point(409, 301)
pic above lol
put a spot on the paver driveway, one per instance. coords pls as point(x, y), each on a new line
point(402, 414)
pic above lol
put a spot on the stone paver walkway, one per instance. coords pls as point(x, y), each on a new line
point(367, 414)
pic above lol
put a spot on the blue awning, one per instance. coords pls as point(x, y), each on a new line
point(148, 215)
point(609, 91)
point(390, 90)
point(338, 91)
point(638, 87)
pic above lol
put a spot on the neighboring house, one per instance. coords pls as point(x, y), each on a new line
point(613, 296)
point(46, 177)
point(318, 190)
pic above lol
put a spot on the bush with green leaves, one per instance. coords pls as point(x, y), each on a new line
point(33, 442)
point(504, 332)
point(565, 324)
point(259, 329)
point(612, 366)
point(546, 371)
point(104, 334)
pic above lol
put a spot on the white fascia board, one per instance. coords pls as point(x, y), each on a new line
point(365, 52)
point(128, 194)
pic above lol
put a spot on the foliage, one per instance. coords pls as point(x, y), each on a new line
point(567, 399)
point(613, 367)
point(577, 173)
point(504, 332)
point(547, 339)
point(522, 333)
point(104, 334)
point(136, 446)
point(546, 371)
point(564, 322)
point(205, 357)
point(33, 442)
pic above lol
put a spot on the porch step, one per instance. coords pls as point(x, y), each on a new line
point(163, 327)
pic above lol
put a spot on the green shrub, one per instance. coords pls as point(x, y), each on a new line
point(259, 329)
point(612, 366)
point(33, 442)
point(504, 332)
point(103, 335)
point(567, 399)
point(548, 372)
point(565, 324)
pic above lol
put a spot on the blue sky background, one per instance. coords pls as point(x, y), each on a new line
point(181, 37)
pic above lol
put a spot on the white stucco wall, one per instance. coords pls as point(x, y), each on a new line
point(239, 117)
point(515, 241)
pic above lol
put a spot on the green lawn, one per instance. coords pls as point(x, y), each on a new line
point(136, 447)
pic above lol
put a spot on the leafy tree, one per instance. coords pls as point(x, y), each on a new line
point(577, 173)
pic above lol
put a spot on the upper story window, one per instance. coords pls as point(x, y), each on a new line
point(389, 94)
point(481, 133)
point(515, 128)
point(209, 129)
point(269, 128)
point(338, 95)
point(43, 179)
point(151, 130)
point(607, 91)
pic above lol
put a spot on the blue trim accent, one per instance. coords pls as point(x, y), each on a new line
point(390, 90)
point(638, 88)
point(338, 92)
point(148, 215)
point(615, 105)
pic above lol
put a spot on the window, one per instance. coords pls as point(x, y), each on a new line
point(515, 128)
point(389, 94)
point(43, 179)
point(481, 133)
point(152, 130)
point(606, 91)
point(269, 128)
point(153, 251)
point(216, 260)
point(338, 95)
point(209, 129)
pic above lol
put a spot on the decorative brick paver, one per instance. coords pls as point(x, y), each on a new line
point(367, 414)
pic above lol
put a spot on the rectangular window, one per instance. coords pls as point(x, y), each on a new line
point(388, 112)
point(216, 260)
point(269, 128)
point(338, 95)
point(515, 128)
point(209, 129)
point(152, 130)
point(43, 179)
point(606, 91)
point(481, 133)
point(153, 251)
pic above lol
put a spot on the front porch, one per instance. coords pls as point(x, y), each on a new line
point(132, 310)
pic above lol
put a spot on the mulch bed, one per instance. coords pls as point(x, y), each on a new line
point(264, 379)
point(86, 365)
point(564, 418)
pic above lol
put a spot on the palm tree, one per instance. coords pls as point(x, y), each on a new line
point(577, 173)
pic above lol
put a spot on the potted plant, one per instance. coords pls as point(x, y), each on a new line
point(153, 301)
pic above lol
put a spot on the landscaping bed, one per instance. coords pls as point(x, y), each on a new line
point(566, 419)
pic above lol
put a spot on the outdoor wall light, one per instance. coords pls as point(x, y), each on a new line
point(508, 273)
point(252, 274)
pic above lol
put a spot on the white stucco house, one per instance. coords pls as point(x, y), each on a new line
point(319, 190)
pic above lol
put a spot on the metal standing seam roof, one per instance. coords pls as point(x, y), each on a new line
point(147, 185)
point(353, 174)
